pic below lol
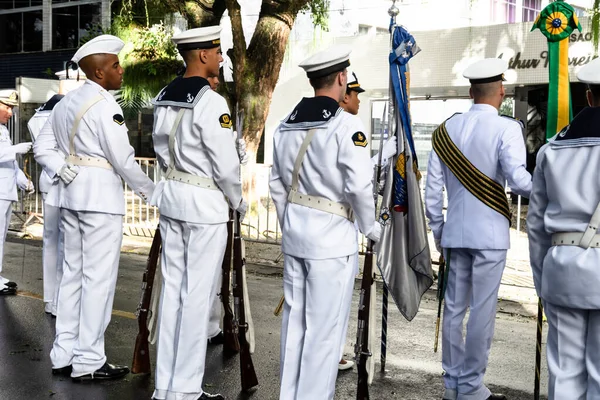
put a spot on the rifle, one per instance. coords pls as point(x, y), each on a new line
point(231, 340)
point(240, 324)
point(361, 348)
point(440, 292)
point(141, 353)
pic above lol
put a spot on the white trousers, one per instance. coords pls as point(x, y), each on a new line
point(346, 307)
point(191, 261)
point(52, 254)
point(573, 351)
point(214, 318)
point(312, 325)
point(5, 214)
point(92, 246)
point(473, 282)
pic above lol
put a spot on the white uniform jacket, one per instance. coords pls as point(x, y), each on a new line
point(566, 191)
point(35, 125)
point(336, 166)
point(101, 134)
point(495, 146)
point(204, 146)
point(11, 175)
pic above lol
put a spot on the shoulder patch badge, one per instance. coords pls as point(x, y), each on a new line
point(225, 121)
point(359, 139)
point(118, 118)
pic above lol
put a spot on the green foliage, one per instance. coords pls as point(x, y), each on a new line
point(319, 12)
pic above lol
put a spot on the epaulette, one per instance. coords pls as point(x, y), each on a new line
point(517, 120)
point(182, 92)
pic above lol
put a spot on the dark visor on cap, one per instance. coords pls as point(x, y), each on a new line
point(329, 70)
point(488, 80)
point(211, 44)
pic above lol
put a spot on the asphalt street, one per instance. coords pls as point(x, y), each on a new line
point(413, 369)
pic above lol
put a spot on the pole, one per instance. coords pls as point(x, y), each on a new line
point(393, 13)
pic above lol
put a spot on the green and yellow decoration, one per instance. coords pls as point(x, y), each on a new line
point(557, 21)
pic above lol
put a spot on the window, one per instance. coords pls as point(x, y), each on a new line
point(73, 24)
point(505, 11)
point(531, 9)
point(10, 4)
point(21, 31)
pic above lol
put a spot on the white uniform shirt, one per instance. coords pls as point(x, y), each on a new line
point(11, 175)
point(204, 146)
point(101, 134)
point(334, 167)
point(35, 125)
point(495, 146)
point(566, 191)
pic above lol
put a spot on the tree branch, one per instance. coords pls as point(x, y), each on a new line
point(239, 44)
point(201, 12)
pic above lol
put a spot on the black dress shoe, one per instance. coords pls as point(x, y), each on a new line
point(11, 284)
point(208, 396)
point(7, 291)
point(64, 371)
point(218, 339)
point(106, 372)
point(496, 397)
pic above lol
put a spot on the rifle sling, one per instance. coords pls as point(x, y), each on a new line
point(484, 188)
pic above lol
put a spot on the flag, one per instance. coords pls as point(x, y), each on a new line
point(557, 21)
point(403, 257)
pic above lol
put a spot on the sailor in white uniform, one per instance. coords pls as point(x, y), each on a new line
point(474, 150)
point(321, 181)
point(564, 248)
point(52, 250)
point(11, 177)
point(351, 103)
point(88, 126)
point(197, 153)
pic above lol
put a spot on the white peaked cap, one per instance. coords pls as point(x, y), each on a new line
point(198, 38)
point(486, 71)
point(74, 74)
point(590, 73)
point(326, 62)
point(10, 97)
point(103, 44)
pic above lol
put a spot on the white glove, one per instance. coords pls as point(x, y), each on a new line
point(21, 148)
point(68, 172)
point(375, 233)
point(390, 148)
point(30, 189)
point(438, 246)
point(241, 149)
point(242, 208)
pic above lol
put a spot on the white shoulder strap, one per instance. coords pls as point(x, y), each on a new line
point(300, 158)
point(591, 230)
point(77, 120)
point(172, 138)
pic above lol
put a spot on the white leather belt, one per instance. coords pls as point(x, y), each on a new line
point(89, 161)
point(191, 179)
point(574, 239)
point(316, 202)
point(322, 204)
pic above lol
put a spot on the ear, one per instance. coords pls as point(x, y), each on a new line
point(203, 56)
point(471, 92)
point(99, 73)
point(346, 99)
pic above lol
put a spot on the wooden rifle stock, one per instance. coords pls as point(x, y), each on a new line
point(248, 374)
point(141, 354)
point(231, 340)
point(361, 349)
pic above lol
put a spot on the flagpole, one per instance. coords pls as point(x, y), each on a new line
point(393, 13)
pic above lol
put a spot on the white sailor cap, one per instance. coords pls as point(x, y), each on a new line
point(486, 71)
point(10, 97)
point(73, 74)
point(353, 84)
point(334, 59)
point(198, 38)
point(590, 73)
point(103, 44)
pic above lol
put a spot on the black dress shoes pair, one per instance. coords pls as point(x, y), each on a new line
point(207, 396)
point(106, 372)
point(218, 339)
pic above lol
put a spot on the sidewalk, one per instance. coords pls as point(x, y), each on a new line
point(517, 293)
